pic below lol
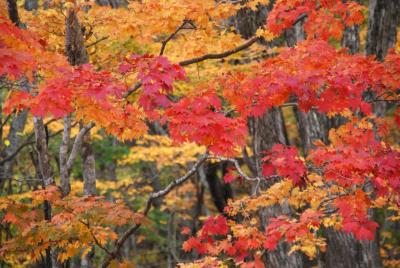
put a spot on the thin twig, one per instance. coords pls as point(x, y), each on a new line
point(165, 42)
point(97, 41)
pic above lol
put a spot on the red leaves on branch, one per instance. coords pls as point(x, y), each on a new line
point(16, 49)
point(325, 19)
point(291, 229)
point(199, 119)
point(18, 100)
point(284, 161)
point(354, 211)
point(157, 76)
point(334, 83)
point(214, 226)
point(355, 156)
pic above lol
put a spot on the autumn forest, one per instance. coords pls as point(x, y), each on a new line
point(200, 133)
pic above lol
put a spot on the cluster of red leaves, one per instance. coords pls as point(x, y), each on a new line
point(200, 119)
point(212, 226)
point(284, 161)
point(354, 211)
point(213, 239)
point(245, 241)
point(231, 175)
point(332, 84)
point(355, 156)
point(157, 76)
point(94, 95)
point(22, 53)
point(325, 19)
point(291, 229)
point(15, 55)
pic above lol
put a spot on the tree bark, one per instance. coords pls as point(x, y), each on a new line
point(383, 19)
point(76, 52)
point(89, 166)
point(13, 12)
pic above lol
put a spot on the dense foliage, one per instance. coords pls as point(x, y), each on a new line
point(160, 133)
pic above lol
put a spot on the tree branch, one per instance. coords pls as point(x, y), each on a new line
point(119, 243)
point(97, 41)
point(26, 143)
point(165, 42)
point(222, 55)
point(77, 145)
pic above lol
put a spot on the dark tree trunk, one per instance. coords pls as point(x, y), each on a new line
point(74, 42)
point(383, 19)
point(13, 12)
point(219, 191)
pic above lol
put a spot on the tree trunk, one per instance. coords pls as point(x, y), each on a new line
point(383, 18)
point(76, 52)
point(219, 191)
point(13, 12)
point(88, 166)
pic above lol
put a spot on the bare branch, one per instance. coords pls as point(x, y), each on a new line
point(119, 243)
point(27, 142)
point(222, 55)
point(97, 41)
point(77, 145)
point(165, 42)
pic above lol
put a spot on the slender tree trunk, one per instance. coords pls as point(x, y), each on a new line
point(89, 166)
point(76, 52)
point(45, 171)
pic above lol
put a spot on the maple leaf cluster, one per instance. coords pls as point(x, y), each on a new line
point(200, 119)
point(157, 75)
point(333, 84)
point(325, 19)
point(285, 162)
